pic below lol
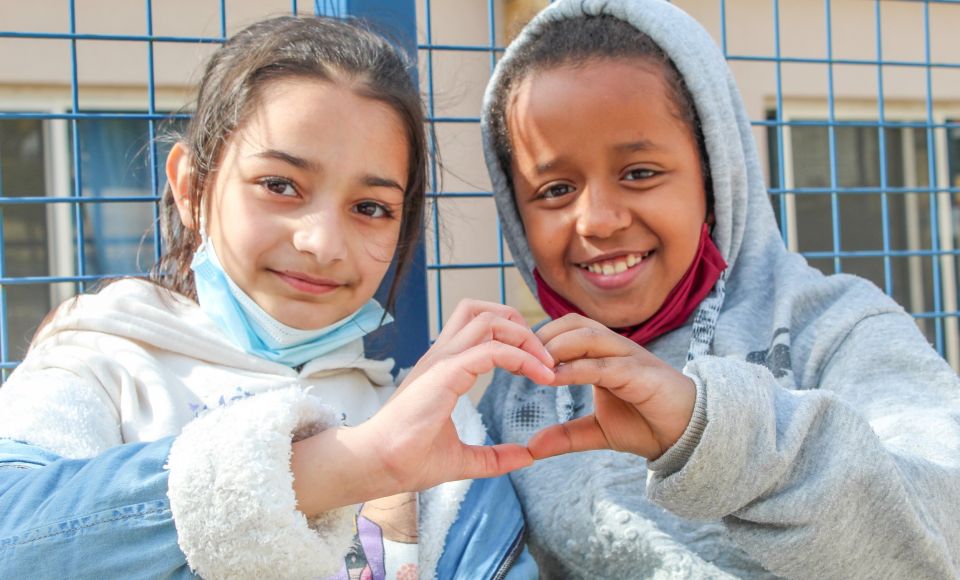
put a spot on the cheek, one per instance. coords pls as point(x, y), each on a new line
point(251, 233)
point(547, 240)
point(547, 255)
point(543, 237)
point(378, 244)
point(685, 239)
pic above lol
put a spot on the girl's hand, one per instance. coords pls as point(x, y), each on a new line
point(415, 440)
point(641, 404)
point(411, 443)
point(474, 322)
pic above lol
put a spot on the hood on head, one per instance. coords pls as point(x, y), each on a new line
point(739, 192)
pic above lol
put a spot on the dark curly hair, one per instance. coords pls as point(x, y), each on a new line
point(578, 42)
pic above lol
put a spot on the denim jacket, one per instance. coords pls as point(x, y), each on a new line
point(136, 440)
point(110, 516)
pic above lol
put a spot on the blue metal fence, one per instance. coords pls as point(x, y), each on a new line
point(458, 43)
point(90, 249)
point(937, 273)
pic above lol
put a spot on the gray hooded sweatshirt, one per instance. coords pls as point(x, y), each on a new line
point(825, 440)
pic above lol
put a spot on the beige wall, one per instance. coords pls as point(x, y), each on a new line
point(459, 79)
point(36, 74)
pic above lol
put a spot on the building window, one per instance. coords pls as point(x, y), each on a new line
point(867, 163)
point(41, 239)
point(25, 229)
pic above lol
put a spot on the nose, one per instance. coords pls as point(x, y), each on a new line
point(321, 233)
point(601, 212)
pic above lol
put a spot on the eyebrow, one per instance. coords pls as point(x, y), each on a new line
point(298, 162)
point(546, 166)
point(641, 145)
point(377, 181)
point(369, 179)
point(631, 147)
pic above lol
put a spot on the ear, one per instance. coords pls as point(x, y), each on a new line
point(178, 177)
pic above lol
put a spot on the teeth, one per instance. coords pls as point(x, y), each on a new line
point(617, 266)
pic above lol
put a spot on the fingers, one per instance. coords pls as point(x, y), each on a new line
point(474, 322)
point(494, 460)
point(587, 371)
point(581, 434)
point(565, 324)
point(487, 326)
point(469, 309)
point(460, 371)
point(588, 341)
point(615, 374)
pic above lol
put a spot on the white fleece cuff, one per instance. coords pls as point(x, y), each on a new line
point(231, 492)
point(440, 505)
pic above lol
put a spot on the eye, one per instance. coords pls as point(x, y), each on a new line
point(555, 190)
point(639, 173)
point(373, 209)
point(279, 186)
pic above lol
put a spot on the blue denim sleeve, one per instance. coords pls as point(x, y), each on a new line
point(487, 539)
point(103, 517)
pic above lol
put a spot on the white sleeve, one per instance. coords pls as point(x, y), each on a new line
point(231, 492)
point(59, 411)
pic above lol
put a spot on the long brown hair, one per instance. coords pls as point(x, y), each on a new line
point(281, 48)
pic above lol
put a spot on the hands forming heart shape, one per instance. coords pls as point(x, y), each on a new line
point(642, 404)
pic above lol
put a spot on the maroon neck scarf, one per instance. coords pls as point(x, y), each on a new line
point(696, 283)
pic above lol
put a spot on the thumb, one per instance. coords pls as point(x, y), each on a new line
point(481, 461)
point(581, 434)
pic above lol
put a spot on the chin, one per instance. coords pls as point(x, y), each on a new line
point(617, 321)
point(612, 313)
point(622, 323)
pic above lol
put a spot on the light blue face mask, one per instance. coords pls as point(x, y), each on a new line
point(258, 333)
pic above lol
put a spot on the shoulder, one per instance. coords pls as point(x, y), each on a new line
point(121, 294)
point(140, 290)
point(119, 307)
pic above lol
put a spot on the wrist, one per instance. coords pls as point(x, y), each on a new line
point(676, 456)
point(336, 468)
point(676, 417)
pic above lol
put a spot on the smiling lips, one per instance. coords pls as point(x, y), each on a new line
point(614, 273)
point(616, 265)
point(305, 283)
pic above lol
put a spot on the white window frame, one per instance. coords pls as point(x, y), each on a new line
point(57, 159)
point(894, 111)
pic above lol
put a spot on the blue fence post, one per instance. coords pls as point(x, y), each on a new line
point(409, 336)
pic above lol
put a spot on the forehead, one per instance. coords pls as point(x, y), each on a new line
point(593, 84)
point(599, 102)
point(301, 112)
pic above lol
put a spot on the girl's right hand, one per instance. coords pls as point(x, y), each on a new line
point(411, 444)
point(474, 322)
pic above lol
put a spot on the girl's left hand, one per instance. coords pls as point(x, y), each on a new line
point(411, 443)
point(641, 404)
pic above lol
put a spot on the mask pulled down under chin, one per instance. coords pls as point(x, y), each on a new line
point(251, 328)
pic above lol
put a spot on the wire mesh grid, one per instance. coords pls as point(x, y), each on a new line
point(60, 122)
point(855, 107)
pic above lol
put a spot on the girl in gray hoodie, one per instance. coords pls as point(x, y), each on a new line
point(737, 413)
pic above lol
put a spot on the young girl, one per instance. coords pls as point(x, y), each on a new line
point(748, 416)
point(222, 419)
